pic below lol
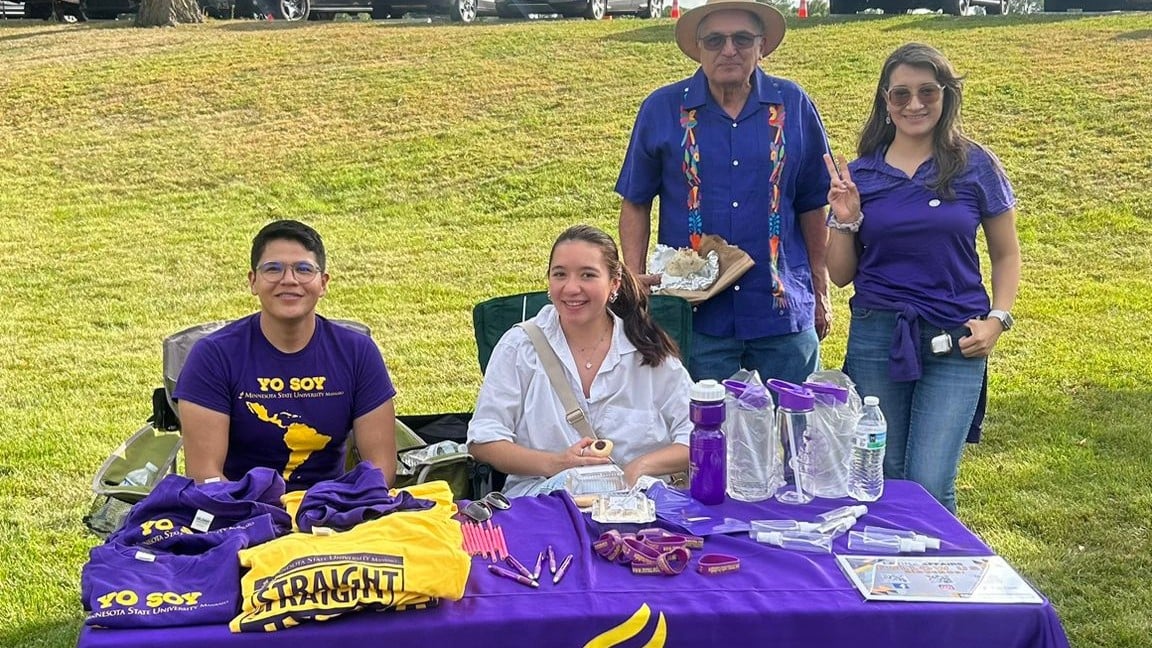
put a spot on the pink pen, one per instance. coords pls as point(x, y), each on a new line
point(503, 542)
point(467, 539)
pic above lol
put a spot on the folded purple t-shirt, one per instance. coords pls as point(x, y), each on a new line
point(358, 496)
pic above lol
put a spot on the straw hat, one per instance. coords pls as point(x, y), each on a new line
point(689, 23)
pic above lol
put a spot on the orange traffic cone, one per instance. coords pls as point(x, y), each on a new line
point(803, 11)
point(675, 9)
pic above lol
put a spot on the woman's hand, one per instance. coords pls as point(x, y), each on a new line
point(843, 196)
point(984, 334)
point(577, 455)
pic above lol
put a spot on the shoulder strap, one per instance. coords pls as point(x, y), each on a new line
point(555, 372)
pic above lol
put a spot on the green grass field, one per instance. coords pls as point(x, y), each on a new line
point(440, 161)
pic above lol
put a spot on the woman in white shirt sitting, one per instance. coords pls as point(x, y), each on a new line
point(623, 369)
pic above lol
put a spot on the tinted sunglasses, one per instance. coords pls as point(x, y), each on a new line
point(482, 509)
point(900, 96)
point(740, 40)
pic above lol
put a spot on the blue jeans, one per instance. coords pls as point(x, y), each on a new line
point(928, 418)
point(790, 357)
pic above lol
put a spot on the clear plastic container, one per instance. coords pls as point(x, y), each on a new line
point(595, 480)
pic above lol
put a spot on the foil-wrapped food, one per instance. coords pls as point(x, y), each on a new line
point(684, 269)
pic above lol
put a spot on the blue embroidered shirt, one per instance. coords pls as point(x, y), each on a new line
point(735, 193)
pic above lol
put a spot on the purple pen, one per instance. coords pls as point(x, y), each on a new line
point(551, 560)
point(504, 573)
point(518, 566)
point(539, 566)
point(562, 570)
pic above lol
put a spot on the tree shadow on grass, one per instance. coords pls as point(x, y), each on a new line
point(1139, 34)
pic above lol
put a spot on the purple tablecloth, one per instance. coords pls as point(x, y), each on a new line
point(778, 598)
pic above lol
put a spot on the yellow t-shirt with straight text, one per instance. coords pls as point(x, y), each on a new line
point(403, 560)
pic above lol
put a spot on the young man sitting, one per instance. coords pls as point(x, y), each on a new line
point(281, 388)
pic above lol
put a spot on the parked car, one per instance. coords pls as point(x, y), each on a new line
point(1098, 5)
point(62, 10)
point(11, 9)
point(462, 10)
point(954, 7)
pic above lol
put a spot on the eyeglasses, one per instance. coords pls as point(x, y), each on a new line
point(481, 509)
point(901, 96)
point(304, 271)
point(740, 40)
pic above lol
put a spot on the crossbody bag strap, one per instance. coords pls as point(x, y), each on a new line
point(572, 411)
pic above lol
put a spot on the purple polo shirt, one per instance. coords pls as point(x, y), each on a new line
point(735, 194)
point(919, 253)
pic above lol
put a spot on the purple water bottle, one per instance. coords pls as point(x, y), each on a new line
point(707, 449)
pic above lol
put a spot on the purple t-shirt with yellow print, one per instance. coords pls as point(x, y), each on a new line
point(289, 411)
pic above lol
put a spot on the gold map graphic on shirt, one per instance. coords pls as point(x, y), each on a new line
point(302, 439)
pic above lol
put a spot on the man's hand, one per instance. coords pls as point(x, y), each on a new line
point(649, 280)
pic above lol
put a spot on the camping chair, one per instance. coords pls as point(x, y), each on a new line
point(158, 443)
point(494, 317)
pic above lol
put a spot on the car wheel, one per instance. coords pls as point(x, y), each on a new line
point(463, 11)
point(997, 9)
point(293, 10)
point(655, 9)
point(596, 9)
point(956, 7)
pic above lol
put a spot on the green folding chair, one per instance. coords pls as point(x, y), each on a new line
point(492, 318)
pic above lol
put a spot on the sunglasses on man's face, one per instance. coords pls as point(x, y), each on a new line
point(900, 96)
point(740, 40)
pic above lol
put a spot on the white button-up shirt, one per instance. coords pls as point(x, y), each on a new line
point(639, 408)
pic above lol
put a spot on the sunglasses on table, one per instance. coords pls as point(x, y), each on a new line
point(900, 96)
point(740, 40)
point(304, 271)
point(482, 509)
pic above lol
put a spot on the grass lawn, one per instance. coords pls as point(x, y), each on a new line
point(440, 161)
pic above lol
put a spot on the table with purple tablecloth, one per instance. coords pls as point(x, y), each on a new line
point(778, 598)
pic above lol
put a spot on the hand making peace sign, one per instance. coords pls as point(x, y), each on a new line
point(843, 197)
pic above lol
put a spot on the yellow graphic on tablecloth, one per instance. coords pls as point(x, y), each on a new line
point(302, 439)
point(632, 628)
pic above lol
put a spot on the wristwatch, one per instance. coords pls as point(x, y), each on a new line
point(1004, 316)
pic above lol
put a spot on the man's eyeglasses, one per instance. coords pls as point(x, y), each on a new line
point(740, 40)
point(304, 271)
point(901, 96)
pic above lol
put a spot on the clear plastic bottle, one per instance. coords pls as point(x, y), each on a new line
point(796, 541)
point(707, 449)
point(141, 476)
point(753, 468)
point(793, 418)
point(761, 526)
point(859, 541)
point(879, 532)
point(866, 478)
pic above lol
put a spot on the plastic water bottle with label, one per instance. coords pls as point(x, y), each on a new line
point(866, 478)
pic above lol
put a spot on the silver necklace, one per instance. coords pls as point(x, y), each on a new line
point(588, 363)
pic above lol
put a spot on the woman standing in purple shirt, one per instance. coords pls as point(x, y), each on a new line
point(904, 219)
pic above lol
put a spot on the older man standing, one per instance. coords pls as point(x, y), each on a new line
point(735, 152)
